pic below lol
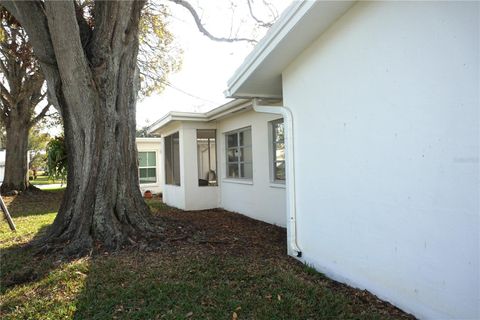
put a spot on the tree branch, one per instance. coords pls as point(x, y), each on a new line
point(76, 76)
point(202, 29)
point(260, 22)
point(5, 94)
point(40, 115)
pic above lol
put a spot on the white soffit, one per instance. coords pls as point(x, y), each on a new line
point(260, 75)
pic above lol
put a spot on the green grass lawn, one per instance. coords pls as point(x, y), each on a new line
point(220, 276)
point(42, 180)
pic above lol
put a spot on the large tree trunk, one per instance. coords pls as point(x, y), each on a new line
point(103, 203)
point(16, 164)
point(92, 78)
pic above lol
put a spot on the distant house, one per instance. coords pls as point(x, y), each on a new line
point(149, 160)
point(356, 126)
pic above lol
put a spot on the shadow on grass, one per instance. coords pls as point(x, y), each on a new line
point(19, 263)
point(34, 202)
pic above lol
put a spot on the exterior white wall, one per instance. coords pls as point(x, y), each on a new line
point(152, 145)
point(258, 198)
point(386, 129)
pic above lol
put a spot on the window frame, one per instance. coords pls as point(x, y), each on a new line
point(238, 147)
point(273, 151)
point(147, 167)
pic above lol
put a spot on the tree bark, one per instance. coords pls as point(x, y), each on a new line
point(95, 83)
point(16, 164)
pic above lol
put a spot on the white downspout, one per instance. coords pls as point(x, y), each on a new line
point(289, 169)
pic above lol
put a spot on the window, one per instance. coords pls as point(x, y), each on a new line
point(147, 167)
point(172, 159)
point(207, 157)
point(239, 154)
point(278, 151)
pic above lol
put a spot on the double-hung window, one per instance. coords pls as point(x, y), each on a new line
point(239, 153)
point(147, 166)
point(278, 151)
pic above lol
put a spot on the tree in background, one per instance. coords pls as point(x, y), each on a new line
point(21, 91)
point(57, 159)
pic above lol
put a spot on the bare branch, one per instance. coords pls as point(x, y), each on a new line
point(260, 22)
point(202, 29)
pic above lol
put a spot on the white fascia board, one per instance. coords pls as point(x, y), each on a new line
point(160, 123)
point(274, 35)
point(217, 113)
point(300, 24)
point(228, 108)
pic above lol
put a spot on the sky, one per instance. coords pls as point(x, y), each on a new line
point(207, 64)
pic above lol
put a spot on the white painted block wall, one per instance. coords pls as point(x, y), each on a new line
point(258, 198)
point(386, 116)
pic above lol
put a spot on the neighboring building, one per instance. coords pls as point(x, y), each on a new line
point(381, 110)
point(149, 164)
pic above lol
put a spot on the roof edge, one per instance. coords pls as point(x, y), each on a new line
point(277, 32)
point(214, 114)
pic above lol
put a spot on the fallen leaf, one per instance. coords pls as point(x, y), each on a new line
point(238, 308)
point(234, 316)
point(279, 297)
point(188, 315)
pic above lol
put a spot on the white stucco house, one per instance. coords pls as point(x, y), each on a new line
point(149, 164)
point(356, 125)
point(222, 159)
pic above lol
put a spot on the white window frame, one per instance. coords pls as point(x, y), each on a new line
point(273, 151)
point(148, 167)
point(238, 162)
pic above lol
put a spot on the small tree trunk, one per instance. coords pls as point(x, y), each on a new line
point(16, 164)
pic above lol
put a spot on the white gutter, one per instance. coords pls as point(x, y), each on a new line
point(289, 168)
